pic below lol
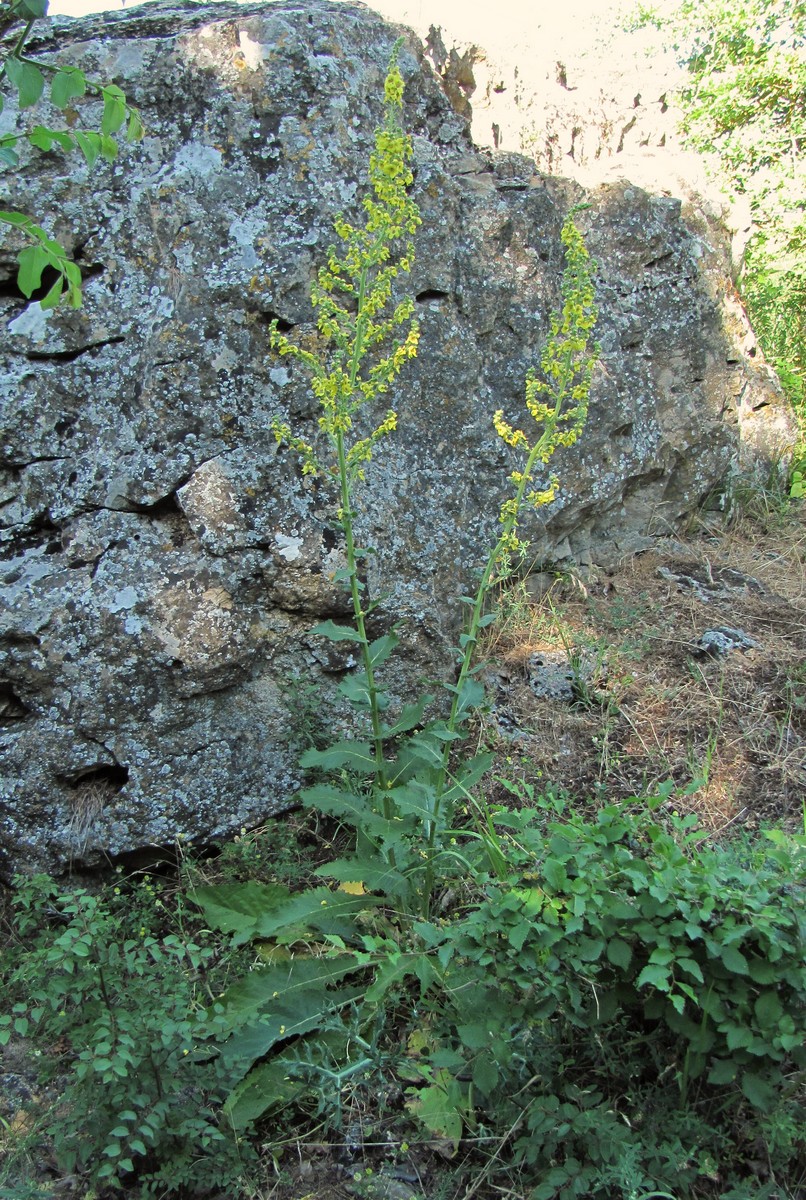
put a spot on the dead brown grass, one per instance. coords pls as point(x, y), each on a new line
point(730, 730)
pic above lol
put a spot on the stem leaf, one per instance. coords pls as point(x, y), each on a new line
point(336, 633)
point(27, 79)
point(358, 755)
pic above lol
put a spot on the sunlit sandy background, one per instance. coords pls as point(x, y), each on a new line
point(507, 27)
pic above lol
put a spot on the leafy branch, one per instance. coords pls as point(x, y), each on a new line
point(67, 83)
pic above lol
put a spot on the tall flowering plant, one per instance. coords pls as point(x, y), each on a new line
point(400, 787)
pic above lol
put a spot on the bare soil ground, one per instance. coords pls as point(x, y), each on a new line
point(686, 664)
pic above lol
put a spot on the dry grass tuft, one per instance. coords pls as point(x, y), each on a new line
point(729, 730)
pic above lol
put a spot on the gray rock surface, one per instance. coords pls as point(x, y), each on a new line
point(162, 563)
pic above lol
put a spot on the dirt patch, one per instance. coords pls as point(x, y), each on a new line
point(687, 664)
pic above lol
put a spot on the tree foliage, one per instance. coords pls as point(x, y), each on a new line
point(34, 83)
point(745, 108)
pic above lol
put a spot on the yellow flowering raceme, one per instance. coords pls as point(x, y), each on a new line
point(556, 396)
point(351, 296)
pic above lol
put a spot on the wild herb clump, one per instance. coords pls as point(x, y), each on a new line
point(140, 1084)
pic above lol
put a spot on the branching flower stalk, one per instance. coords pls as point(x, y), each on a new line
point(557, 400)
point(352, 296)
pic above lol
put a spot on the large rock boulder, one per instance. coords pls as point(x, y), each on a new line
point(162, 563)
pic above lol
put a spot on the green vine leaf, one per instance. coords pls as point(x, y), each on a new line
point(27, 79)
point(69, 83)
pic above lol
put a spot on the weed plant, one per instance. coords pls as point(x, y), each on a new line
point(128, 1004)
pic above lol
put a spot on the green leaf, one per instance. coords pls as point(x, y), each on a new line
point(286, 1000)
point(356, 689)
point(437, 1109)
point(9, 156)
point(654, 975)
point(619, 953)
point(237, 907)
point(37, 9)
point(90, 146)
point(41, 137)
point(68, 83)
point(722, 1071)
point(768, 1010)
point(468, 775)
point(266, 1088)
point(590, 949)
point(397, 968)
point(382, 647)
point(738, 1037)
point(357, 755)
point(318, 909)
point(734, 960)
point(109, 148)
point(758, 1091)
point(27, 79)
point(555, 875)
point(762, 971)
point(134, 129)
point(336, 633)
point(32, 262)
point(62, 139)
point(413, 799)
point(376, 877)
point(471, 696)
point(114, 114)
point(691, 967)
point(351, 807)
point(411, 716)
point(51, 300)
point(485, 1074)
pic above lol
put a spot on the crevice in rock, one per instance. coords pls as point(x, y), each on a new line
point(283, 326)
point(9, 465)
point(31, 537)
point(430, 294)
point(10, 291)
point(70, 355)
point(165, 506)
point(12, 708)
point(112, 777)
point(161, 509)
point(659, 261)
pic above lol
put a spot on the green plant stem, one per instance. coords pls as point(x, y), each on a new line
point(106, 998)
point(350, 549)
point(471, 637)
point(23, 38)
point(358, 610)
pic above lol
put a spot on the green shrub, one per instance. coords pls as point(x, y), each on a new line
point(127, 1005)
point(629, 999)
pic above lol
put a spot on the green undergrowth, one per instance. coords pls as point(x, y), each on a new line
point(617, 1012)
